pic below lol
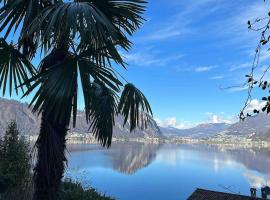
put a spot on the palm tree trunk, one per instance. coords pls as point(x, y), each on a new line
point(51, 146)
point(51, 159)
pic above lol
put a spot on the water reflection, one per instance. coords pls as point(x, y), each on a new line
point(175, 169)
point(253, 158)
point(126, 158)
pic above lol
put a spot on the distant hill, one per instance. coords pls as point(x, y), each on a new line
point(200, 131)
point(254, 127)
point(29, 123)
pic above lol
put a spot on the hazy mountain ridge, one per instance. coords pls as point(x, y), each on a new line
point(254, 127)
point(200, 131)
point(29, 123)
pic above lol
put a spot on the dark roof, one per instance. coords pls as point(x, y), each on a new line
point(201, 194)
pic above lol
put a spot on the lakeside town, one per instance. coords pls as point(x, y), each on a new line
point(220, 139)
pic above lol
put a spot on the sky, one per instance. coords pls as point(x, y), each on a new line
point(187, 52)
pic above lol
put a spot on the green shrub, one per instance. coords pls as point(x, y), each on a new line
point(74, 191)
point(15, 172)
point(15, 165)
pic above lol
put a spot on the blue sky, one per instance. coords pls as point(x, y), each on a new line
point(186, 51)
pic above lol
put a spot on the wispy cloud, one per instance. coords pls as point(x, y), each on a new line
point(204, 68)
point(149, 57)
point(237, 89)
point(235, 27)
point(181, 23)
point(167, 32)
point(197, 69)
point(234, 31)
point(191, 7)
point(265, 56)
point(217, 77)
point(174, 123)
point(240, 66)
point(238, 77)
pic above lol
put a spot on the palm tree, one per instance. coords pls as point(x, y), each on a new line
point(79, 42)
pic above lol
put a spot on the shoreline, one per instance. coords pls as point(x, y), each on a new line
point(235, 142)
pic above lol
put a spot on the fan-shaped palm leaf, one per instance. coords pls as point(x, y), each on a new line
point(57, 90)
point(18, 15)
point(73, 17)
point(62, 79)
point(96, 30)
point(103, 104)
point(14, 68)
point(101, 75)
point(134, 106)
point(126, 15)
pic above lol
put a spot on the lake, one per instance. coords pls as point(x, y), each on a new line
point(137, 171)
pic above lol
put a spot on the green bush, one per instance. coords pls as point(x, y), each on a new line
point(15, 165)
point(15, 172)
point(74, 191)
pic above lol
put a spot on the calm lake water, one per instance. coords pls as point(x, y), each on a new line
point(136, 171)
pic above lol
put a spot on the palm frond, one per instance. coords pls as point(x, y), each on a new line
point(103, 109)
point(85, 22)
point(124, 14)
point(57, 88)
point(72, 17)
point(134, 106)
point(102, 56)
point(99, 85)
point(17, 15)
point(100, 74)
point(57, 84)
point(14, 68)
point(126, 17)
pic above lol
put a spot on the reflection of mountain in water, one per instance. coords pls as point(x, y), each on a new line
point(126, 158)
point(257, 160)
point(253, 158)
point(130, 157)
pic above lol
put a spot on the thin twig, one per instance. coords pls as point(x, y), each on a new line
point(255, 64)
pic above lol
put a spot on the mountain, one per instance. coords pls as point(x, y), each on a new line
point(28, 123)
point(200, 131)
point(254, 127)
